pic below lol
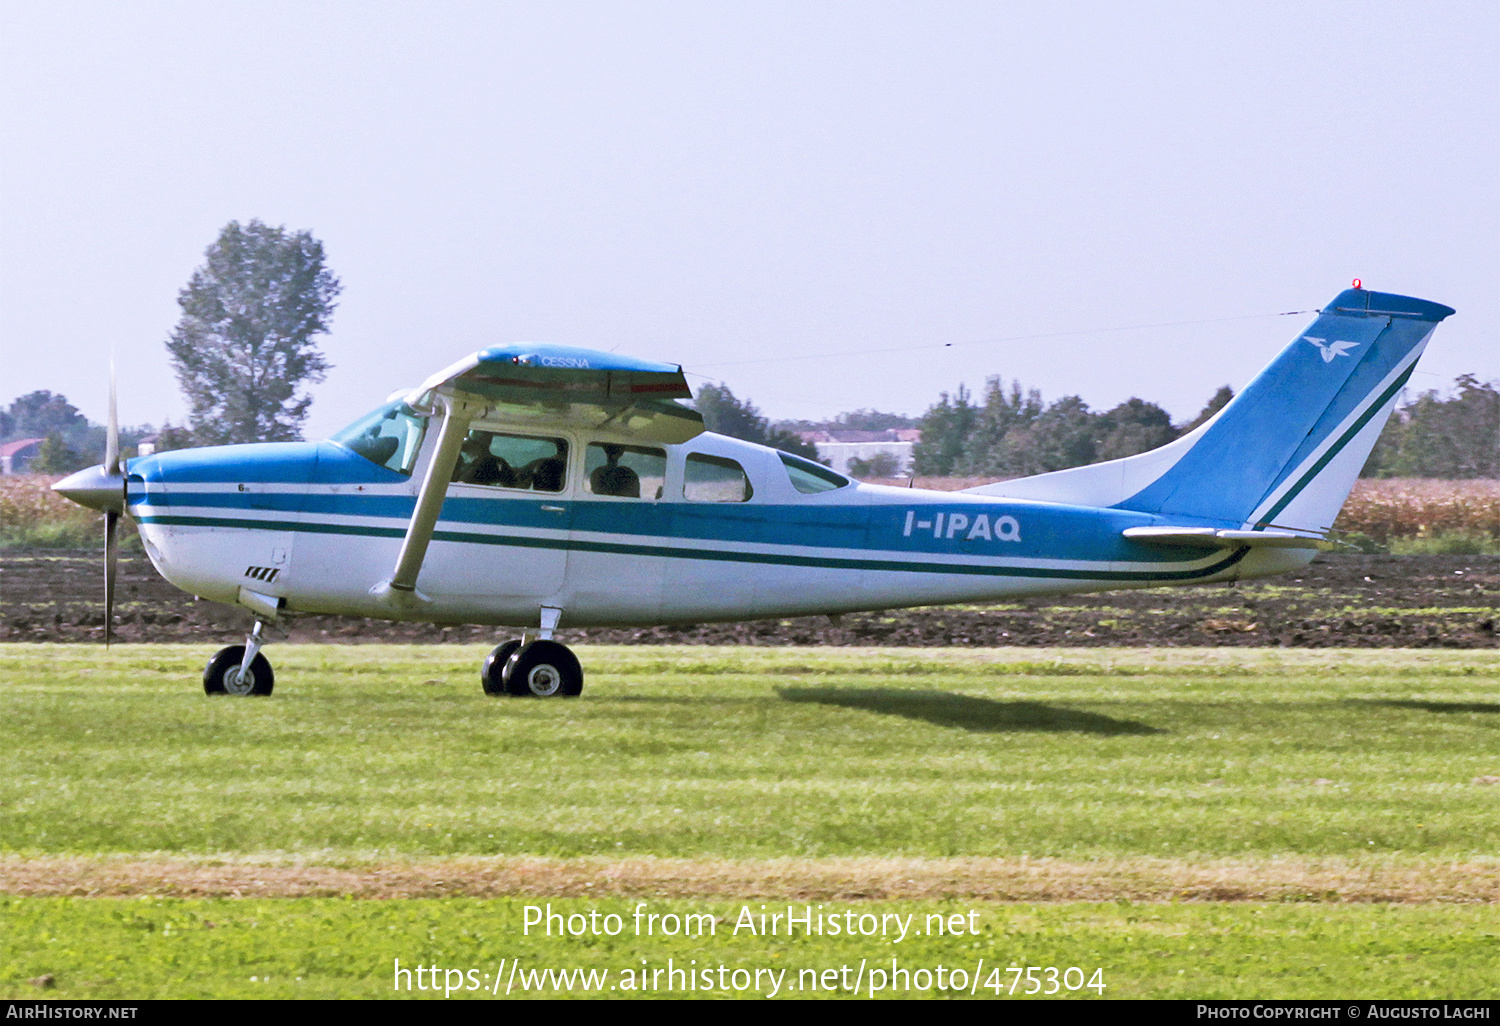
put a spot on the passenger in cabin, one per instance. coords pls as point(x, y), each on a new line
point(477, 465)
point(614, 479)
point(545, 475)
point(623, 471)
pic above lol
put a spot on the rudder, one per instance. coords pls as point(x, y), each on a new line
point(1285, 452)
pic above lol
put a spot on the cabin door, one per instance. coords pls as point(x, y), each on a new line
point(502, 537)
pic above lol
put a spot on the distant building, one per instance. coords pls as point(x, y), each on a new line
point(16, 456)
point(838, 447)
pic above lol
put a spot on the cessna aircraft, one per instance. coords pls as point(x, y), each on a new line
point(537, 486)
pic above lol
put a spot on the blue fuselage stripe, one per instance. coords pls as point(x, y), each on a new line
point(987, 569)
point(925, 528)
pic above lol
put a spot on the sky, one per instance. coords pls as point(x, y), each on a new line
point(824, 205)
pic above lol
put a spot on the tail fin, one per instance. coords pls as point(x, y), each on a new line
point(1284, 452)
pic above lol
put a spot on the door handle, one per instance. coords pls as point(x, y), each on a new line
point(554, 509)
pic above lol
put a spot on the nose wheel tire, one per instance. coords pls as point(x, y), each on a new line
point(492, 673)
point(544, 669)
point(222, 675)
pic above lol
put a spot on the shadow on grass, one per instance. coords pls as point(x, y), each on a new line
point(1436, 707)
point(978, 714)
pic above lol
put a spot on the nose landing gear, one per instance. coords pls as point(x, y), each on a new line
point(240, 669)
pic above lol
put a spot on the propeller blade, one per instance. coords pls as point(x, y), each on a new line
point(112, 430)
point(111, 559)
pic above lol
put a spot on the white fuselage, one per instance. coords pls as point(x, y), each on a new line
point(317, 529)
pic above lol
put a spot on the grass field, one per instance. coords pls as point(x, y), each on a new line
point(338, 948)
point(1273, 819)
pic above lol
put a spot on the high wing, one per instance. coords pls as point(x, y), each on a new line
point(568, 387)
point(538, 385)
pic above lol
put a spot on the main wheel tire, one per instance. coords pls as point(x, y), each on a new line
point(544, 669)
point(222, 674)
point(492, 673)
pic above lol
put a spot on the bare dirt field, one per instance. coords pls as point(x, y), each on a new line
point(1353, 601)
point(985, 879)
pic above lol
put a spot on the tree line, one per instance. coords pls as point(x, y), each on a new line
point(70, 441)
point(1012, 433)
point(725, 414)
point(1432, 436)
point(245, 349)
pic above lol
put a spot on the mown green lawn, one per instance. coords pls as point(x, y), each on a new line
point(372, 752)
point(332, 947)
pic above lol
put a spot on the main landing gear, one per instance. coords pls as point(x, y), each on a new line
point(240, 669)
point(536, 665)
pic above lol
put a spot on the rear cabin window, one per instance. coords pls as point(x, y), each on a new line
point(715, 479)
point(390, 436)
point(808, 477)
point(624, 471)
point(512, 461)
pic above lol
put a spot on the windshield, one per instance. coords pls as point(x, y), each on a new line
point(390, 436)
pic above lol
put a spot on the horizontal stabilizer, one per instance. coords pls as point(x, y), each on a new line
point(1211, 538)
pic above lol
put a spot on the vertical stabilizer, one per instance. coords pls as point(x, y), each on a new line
point(1284, 452)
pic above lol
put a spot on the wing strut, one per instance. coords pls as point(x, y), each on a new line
point(456, 417)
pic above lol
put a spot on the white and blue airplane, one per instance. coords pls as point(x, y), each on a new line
point(537, 486)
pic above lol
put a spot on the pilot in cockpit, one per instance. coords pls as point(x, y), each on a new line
point(477, 465)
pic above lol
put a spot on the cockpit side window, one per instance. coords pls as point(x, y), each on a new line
point(390, 436)
point(714, 479)
point(512, 461)
point(625, 471)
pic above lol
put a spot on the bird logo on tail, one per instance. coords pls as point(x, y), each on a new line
point(1330, 349)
